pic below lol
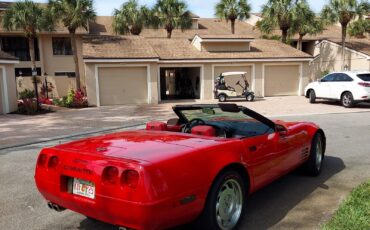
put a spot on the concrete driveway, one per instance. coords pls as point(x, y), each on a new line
point(293, 202)
point(20, 130)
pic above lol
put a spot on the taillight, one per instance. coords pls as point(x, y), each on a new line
point(53, 162)
point(41, 161)
point(110, 175)
point(364, 84)
point(130, 178)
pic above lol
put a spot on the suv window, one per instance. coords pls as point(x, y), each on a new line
point(342, 77)
point(364, 77)
point(328, 78)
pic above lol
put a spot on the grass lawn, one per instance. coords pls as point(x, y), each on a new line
point(354, 212)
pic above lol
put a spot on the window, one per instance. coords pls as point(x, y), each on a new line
point(342, 77)
point(62, 46)
point(18, 47)
point(364, 77)
point(26, 72)
point(328, 78)
point(68, 74)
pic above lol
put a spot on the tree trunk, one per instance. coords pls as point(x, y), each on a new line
point(169, 32)
point(233, 26)
point(344, 35)
point(284, 35)
point(299, 43)
point(75, 57)
point(31, 46)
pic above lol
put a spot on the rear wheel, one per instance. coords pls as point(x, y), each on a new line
point(313, 165)
point(312, 96)
point(347, 100)
point(250, 97)
point(225, 203)
point(222, 97)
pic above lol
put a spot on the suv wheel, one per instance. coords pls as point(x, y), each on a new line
point(347, 100)
point(312, 96)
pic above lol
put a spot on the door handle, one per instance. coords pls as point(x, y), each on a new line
point(253, 148)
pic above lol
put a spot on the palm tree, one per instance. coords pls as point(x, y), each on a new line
point(343, 11)
point(231, 10)
point(277, 13)
point(170, 15)
point(359, 28)
point(130, 18)
point(73, 14)
point(31, 19)
point(305, 22)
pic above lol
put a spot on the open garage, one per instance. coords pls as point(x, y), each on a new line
point(281, 80)
point(123, 85)
point(178, 83)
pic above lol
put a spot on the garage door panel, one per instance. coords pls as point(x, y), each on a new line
point(231, 80)
point(281, 80)
point(123, 85)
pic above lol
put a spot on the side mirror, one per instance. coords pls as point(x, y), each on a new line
point(281, 130)
point(173, 121)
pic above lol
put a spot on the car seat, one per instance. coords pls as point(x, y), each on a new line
point(156, 126)
point(204, 130)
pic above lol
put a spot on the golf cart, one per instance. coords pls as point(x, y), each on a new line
point(224, 92)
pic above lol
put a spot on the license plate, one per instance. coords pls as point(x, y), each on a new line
point(83, 188)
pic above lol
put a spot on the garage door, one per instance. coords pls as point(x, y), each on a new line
point(231, 80)
point(1, 92)
point(281, 80)
point(123, 85)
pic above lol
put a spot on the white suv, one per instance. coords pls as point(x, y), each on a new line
point(347, 87)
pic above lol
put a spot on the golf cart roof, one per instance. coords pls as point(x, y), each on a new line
point(233, 73)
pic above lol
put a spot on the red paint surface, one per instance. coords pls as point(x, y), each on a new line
point(171, 167)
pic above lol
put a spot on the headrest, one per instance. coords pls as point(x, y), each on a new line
point(156, 125)
point(204, 130)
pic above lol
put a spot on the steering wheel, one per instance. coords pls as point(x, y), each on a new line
point(193, 122)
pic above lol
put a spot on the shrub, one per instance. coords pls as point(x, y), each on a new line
point(74, 99)
point(26, 94)
point(28, 106)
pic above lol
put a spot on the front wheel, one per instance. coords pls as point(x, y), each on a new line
point(250, 97)
point(222, 97)
point(312, 96)
point(314, 163)
point(225, 203)
point(347, 100)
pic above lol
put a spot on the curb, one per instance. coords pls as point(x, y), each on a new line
point(71, 136)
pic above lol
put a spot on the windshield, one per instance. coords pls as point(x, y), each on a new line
point(236, 124)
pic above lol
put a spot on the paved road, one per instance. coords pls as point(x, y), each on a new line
point(294, 201)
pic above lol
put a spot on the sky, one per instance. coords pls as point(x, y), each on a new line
point(203, 8)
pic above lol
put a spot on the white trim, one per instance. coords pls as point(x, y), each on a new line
point(235, 60)
point(97, 66)
point(253, 72)
point(202, 83)
point(121, 61)
point(300, 80)
point(346, 48)
point(5, 86)
point(9, 61)
point(201, 40)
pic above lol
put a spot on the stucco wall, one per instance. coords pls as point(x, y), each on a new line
point(225, 46)
point(330, 59)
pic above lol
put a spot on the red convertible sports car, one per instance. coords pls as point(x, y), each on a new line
point(199, 168)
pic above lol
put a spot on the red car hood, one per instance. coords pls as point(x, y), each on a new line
point(141, 145)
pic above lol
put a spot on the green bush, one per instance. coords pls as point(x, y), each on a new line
point(26, 94)
point(28, 107)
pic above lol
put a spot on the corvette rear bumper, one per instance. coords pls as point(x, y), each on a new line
point(110, 210)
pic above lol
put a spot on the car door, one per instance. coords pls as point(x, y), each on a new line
point(340, 84)
point(266, 157)
point(324, 86)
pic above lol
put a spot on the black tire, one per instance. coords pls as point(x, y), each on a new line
point(313, 165)
point(312, 96)
point(250, 97)
point(347, 100)
point(222, 98)
point(208, 218)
